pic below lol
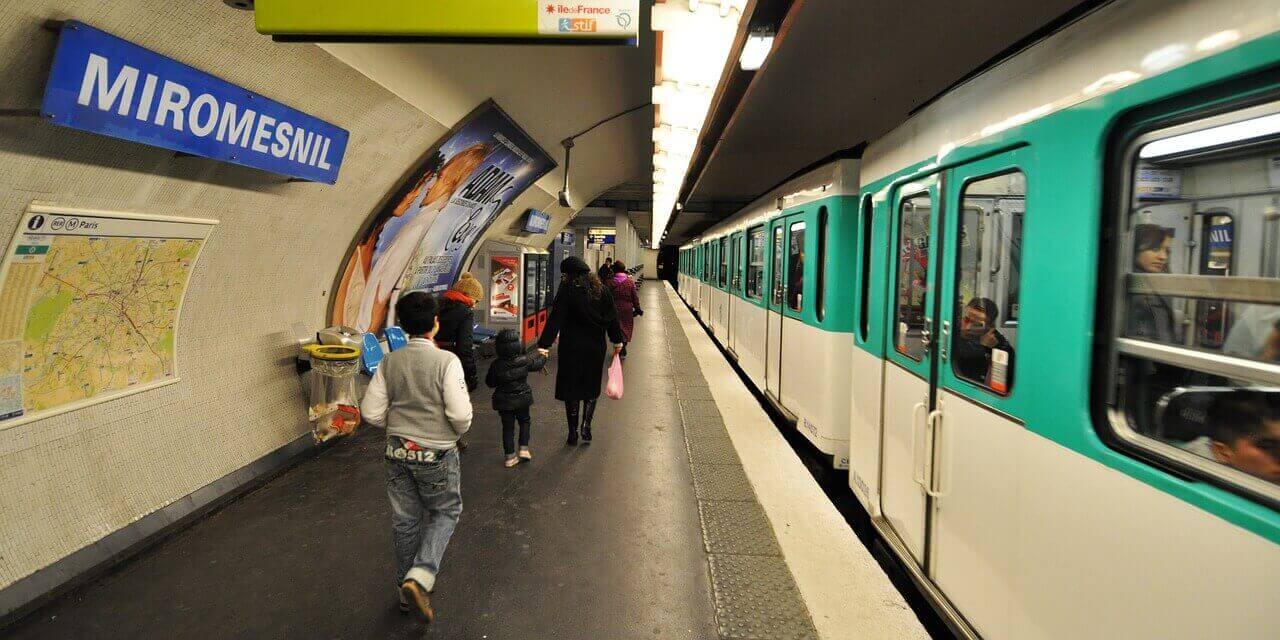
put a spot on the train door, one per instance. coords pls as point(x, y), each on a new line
point(775, 301)
point(908, 380)
point(973, 428)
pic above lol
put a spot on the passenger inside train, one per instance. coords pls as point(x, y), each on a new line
point(981, 352)
point(1205, 223)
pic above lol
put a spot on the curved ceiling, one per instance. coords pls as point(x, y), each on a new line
point(552, 91)
point(847, 72)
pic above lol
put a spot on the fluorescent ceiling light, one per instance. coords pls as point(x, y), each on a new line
point(755, 50)
point(1253, 128)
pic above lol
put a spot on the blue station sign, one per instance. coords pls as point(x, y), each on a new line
point(102, 84)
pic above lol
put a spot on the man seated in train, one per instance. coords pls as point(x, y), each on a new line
point(1244, 428)
point(976, 343)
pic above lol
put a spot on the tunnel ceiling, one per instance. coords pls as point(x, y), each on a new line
point(552, 91)
point(848, 72)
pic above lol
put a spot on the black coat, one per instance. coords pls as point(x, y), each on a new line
point(456, 323)
point(509, 375)
point(582, 325)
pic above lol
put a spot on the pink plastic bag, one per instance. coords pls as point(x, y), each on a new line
point(614, 387)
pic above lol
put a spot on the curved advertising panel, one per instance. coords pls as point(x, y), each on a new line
point(419, 240)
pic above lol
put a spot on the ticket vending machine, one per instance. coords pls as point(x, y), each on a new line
point(519, 290)
point(536, 298)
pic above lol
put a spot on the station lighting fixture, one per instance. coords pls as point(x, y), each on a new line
point(697, 37)
point(757, 47)
point(1253, 129)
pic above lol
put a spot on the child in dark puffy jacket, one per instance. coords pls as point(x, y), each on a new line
point(512, 395)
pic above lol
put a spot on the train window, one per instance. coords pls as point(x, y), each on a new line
point(982, 344)
point(822, 264)
point(755, 262)
point(795, 267)
point(914, 220)
point(724, 262)
point(1195, 369)
point(777, 267)
point(864, 319)
point(733, 263)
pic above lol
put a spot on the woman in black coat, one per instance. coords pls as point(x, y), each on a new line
point(581, 316)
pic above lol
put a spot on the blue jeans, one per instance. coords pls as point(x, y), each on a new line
point(426, 500)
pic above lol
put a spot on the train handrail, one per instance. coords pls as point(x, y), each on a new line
point(1226, 288)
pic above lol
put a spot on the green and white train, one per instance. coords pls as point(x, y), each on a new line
point(1039, 324)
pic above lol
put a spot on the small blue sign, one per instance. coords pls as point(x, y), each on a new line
point(102, 84)
point(537, 222)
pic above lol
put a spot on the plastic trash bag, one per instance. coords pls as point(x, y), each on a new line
point(613, 389)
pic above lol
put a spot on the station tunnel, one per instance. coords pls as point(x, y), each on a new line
point(696, 319)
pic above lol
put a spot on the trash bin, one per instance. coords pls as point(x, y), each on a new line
point(334, 409)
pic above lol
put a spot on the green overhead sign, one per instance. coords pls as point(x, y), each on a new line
point(604, 20)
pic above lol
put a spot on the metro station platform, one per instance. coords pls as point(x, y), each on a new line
point(689, 517)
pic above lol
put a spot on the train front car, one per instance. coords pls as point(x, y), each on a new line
point(1070, 277)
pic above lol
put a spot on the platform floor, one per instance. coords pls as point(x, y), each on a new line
point(652, 531)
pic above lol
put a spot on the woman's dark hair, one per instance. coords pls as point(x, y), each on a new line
point(588, 281)
point(1149, 237)
point(618, 267)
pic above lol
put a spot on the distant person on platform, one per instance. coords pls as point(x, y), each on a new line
point(623, 289)
point(457, 321)
point(606, 270)
point(582, 315)
point(420, 396)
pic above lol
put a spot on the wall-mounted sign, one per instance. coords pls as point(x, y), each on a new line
point(523, 20)
point(600, 239)
point(1154, 184)
point(419, 240)
point(102, 84)
point(537, 221)
point(90, 304)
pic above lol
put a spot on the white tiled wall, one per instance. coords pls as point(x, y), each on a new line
point(69, 480)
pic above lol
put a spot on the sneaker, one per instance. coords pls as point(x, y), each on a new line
point(413, 593)
point(525, 454)
point(511, 461)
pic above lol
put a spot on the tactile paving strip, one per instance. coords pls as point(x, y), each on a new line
point(755, 595)
point(699, 407)
point(703, 426)
point(693, 393)
point(721, 482)
point(756, 598)
point(736, 527)
point(711, 449)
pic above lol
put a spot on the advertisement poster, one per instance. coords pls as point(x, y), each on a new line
point(503, 285)
point(419, 241)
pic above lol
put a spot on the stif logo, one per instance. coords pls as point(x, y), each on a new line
point(577, 25)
